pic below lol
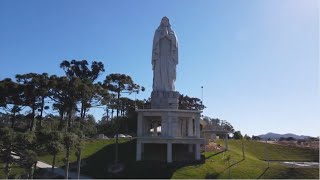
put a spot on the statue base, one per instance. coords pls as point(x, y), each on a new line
point(165, 100)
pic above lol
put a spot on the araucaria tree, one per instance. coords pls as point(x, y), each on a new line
point(65, 96)
point(11, 99)
point(35, 90)
point(84, 92)
point(190, 103)
point(87, 89)
point(7, 141)
point(117, 84)
point(29, 103)
point(77, 91)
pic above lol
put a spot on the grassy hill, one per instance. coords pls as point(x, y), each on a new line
point(253, 167)
point(256, 149)
point(90, 148)
point(98, 154)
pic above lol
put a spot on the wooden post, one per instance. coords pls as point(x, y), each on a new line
point(226, 142)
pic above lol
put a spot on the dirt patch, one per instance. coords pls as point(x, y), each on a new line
point(212, 146)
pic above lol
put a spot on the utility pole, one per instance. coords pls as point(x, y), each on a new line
point(267, 153)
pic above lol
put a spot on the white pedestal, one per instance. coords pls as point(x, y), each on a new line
point(138, 153)
point(190, 148)
point(197, 151)
point(169, 152)
point(177, 127)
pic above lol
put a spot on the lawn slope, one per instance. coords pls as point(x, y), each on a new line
point(99, 154)
point(253, 166)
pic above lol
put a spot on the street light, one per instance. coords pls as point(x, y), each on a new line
point(201, 95)
point(202, 99)
point(135, 99)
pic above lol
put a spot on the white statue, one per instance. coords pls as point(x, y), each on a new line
point(164, 57)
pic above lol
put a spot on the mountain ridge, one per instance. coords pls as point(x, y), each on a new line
point(271, 135)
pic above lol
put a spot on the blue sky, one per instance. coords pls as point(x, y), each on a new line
point(257, 60)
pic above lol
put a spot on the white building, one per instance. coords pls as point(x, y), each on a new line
point(177, 127)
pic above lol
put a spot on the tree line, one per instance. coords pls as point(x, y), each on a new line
point(49, 113)
point(65, 100)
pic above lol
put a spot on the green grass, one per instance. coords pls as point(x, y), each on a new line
point(89, 147)
point(253, 166)
point(15, 172)
point(99, 154)
point(276, 152)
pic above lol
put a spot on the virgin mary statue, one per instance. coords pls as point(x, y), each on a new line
point(164, 57)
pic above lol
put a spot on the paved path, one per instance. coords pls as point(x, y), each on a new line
point(60, 171)
point(57, 171)
point(302, 164)
point(43, 165)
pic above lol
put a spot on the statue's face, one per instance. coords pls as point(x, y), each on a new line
point(165, 21)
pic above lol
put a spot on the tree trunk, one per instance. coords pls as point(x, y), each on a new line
point(42, 107)
point(79, 164)
point(33, 169)
point(66, 171)
point(112, 111)
point(29, 172)
point(13, 119)
point(84, 112)
point(116, 127)
point(81, 111)
point(32, 120)
point(6, 170)
point(107, 114)
point(53, 162)
point(69, 119)
point(61, 121)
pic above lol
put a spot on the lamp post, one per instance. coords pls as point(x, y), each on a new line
point(135, 99)
point(201, 95)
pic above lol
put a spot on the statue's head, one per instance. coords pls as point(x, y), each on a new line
point(165, 22)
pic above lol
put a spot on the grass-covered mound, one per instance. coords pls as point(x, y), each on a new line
point(256, 149)
point(90, 147)
point(99, 154)
point(253, 166)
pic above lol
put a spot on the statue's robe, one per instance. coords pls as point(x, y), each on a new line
point(164, 59)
